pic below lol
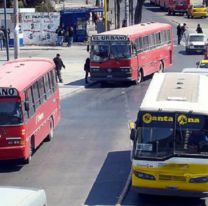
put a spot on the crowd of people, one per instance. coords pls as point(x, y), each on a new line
point(181, 31)
point(64, 35)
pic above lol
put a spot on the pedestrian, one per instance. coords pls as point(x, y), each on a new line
point(199, 29)
point(2, 38)
point(179, 33)
point(59, 64)
point(87, 69)
point(183, 31)
point(69, 35)
point(60, 35)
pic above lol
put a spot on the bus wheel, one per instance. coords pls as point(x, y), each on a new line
point(51, 133)
point(161, 68)
point(140, 77)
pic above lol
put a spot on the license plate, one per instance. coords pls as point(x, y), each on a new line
point(109, 76)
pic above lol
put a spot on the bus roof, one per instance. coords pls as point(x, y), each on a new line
point(21, 72)
point(137, 29)
point(182, 92)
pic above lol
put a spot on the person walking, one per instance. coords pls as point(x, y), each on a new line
point(179, 33)
point(2, 38)
point(184, 32)
point(59, 64)
point(87, 69)
point(199, 29)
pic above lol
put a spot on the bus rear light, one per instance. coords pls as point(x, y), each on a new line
point(144, 176)
point(15, 141)
point(199, 180)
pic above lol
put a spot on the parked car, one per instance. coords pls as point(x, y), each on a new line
point(196, 43)
point(197, 11)
point(202, 64)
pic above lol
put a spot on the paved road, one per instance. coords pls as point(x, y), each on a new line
point(88, 161)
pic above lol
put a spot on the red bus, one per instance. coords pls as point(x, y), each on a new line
point(29, 106)
point(130, 53)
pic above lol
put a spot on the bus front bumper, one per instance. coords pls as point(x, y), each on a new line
point(170, 192)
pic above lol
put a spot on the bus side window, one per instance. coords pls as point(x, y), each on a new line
point(145, 43)
point(47, 85)
point(158, 39)
point(53, 80)
point(36, 94)
point(151, 41)
point(29, 99)
point(134, 49)
point(41, 90)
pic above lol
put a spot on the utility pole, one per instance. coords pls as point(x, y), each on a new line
point(6, 30)
point(131, 12)
point(16, 29)
point(126, 13)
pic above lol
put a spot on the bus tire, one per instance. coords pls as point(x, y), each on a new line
point(161, 67)
point(140, 76)
point(51, 133)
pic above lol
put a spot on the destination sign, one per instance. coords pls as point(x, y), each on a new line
point(109, 38)
point(8, 92)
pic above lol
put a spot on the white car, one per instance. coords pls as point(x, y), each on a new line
point(20, 196)
point(195, 70)
point(196, 43)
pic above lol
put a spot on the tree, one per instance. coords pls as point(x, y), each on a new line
point(138, 12)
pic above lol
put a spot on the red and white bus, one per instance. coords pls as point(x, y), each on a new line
point(29, 106)
point(130, 53)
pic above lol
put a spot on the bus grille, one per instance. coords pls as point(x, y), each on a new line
point(172, 178)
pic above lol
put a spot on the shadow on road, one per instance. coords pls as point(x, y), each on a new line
point(10, 166)
point(150, 200)
point(110, 180)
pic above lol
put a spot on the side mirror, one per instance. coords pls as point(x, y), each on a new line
point(132, 128)
point(27, 106)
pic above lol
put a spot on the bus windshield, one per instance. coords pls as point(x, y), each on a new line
point(181, 136)
point(10, 113)
point(102, 51)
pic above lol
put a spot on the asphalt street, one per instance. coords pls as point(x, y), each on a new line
point(88, 161)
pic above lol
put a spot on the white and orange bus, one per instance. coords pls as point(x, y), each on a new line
point(130, 53)
point(29, 106)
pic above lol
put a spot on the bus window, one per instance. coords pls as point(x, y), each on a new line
point(100, 51)
point(10, 112)
point(154, 142)
point(191, 142)
point(120, 50)
point(36, 94)
point(29, 98)
point(41, 90)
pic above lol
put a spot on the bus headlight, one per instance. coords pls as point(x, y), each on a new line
point(145, 176)
point(199, 180)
